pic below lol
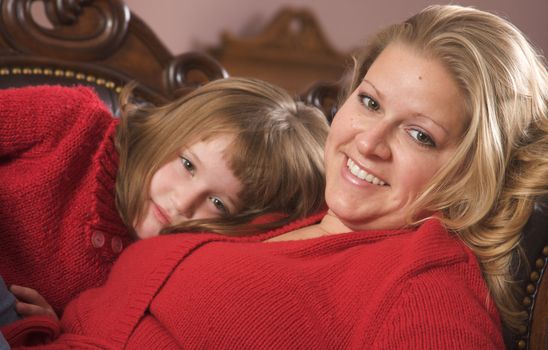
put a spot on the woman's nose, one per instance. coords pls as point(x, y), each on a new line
point(373, 141)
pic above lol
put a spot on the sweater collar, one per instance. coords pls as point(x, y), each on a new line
point(105, 216)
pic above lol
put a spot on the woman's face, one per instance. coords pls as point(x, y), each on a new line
point(198, 184)
point(395, 131)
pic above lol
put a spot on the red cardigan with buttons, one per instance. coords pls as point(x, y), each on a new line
point(59, 229)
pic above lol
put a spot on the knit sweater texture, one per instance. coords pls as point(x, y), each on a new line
point(59, 228)
point(393, 289)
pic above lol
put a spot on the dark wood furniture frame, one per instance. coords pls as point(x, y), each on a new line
point(99, 43)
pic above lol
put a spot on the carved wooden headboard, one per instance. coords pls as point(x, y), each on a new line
point(291, 51)
point(98, 42)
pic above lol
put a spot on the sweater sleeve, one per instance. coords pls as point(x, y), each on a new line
point(34, 119)
point(434, 313)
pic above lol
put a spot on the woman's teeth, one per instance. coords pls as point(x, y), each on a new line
point(362, 174)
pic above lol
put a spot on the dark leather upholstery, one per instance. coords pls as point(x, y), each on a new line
point(535, 283)
point(19, 77)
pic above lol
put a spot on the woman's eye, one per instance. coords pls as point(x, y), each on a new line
point(188, 165)
point(219, 205)
point(369, 103)
point(422, 138)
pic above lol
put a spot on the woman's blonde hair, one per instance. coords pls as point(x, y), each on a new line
point(277, 151)
point(488, 189)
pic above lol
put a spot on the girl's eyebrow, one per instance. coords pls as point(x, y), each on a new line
point(193, 155)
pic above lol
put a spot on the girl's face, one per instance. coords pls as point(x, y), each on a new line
point(198, 184)
point(396, 130)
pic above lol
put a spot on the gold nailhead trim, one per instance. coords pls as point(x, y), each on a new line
point(530, 288)
point(535, 276)
point(61, 73)
point(526, 301)
point(539, 263)
point(521, 344)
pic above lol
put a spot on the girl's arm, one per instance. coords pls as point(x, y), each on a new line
point(34, 119)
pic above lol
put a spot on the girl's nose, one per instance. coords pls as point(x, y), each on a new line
point(186, 201)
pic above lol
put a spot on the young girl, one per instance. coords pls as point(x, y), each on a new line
point(78, 185)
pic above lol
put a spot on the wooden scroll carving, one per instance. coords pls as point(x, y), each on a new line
point(97, 38)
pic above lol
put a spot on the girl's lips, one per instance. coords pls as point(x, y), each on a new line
point(160, 214)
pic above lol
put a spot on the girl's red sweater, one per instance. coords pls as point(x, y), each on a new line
point(59, 228)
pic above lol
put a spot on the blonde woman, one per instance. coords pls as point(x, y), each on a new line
point(79, 185)
point(432, 166)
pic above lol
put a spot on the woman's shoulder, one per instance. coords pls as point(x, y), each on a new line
point(436, 285)
point(431, 247)
point(452, 310)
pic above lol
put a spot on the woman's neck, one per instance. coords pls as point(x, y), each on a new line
point(330, 224)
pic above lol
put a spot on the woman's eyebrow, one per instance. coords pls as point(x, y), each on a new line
point(420, 115)
point(377, 92)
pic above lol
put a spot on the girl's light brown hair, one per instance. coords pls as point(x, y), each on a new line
point(486, 192)
point(277, 151)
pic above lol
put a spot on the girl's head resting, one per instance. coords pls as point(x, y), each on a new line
point(264, 148)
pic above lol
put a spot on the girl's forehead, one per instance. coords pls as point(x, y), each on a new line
point(223, 142)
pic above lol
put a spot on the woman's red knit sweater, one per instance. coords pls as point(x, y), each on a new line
point(419, 289)
point(59, 228)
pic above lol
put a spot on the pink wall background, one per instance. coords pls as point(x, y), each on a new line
point(193, 24)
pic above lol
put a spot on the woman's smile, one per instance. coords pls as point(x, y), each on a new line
point(363, 174)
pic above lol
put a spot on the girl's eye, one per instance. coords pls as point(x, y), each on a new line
point(188, 165)
point(422, 138)
point(219, 205)
point(368, 102)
